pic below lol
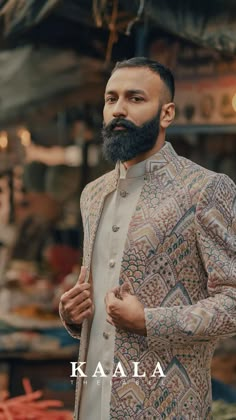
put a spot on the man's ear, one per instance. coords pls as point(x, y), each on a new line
point(167, 114)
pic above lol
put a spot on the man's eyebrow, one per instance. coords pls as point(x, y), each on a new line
point(110, 92)
point(129, 92)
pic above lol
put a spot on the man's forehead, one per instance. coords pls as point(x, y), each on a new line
point(132, 78)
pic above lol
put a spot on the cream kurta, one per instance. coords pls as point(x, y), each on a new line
point(106, 264)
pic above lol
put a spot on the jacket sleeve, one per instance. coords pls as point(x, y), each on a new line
point(73, 329)
point(215, 316)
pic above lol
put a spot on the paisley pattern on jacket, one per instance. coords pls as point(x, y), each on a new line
point(180, 260)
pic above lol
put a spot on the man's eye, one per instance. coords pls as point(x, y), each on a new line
point(110, 99)
point(136, 99)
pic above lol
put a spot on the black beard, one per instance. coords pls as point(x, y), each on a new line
point(126, 144)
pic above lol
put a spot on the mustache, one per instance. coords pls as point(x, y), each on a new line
point(119, 122)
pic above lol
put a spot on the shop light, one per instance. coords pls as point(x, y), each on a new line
point(234, 102)
point(25, 136)
point(3, 140)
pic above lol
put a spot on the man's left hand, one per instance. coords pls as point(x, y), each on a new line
point(125, 311)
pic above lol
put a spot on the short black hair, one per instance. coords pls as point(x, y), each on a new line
point(164, 72)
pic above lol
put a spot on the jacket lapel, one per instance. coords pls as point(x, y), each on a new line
point(108, 185)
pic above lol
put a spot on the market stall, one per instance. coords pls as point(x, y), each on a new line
point(55, 58)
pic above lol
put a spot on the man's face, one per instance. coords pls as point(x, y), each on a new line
point(131, 113)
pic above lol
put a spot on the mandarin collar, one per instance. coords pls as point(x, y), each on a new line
point(134, 171)
point(155, 162)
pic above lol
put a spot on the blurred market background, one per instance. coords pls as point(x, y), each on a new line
point(55, 58)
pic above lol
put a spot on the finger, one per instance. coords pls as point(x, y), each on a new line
point(77, 304)
point(79, 285)
point(109, 320)
point(79, 313)
point(79, 318)
point(116, 291)
point(75, 291)
point(125, 289)
point(86, 314)
point(82, 275)
point(86, 304)
point(109, 299)
point(73, 314)
point(111, 295)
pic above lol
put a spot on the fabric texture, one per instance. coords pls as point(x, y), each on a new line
point(180, 261)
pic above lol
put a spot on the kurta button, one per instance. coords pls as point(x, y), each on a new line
point(123, 193)
point(115, 228)
point(106, 335)
point(112, 263)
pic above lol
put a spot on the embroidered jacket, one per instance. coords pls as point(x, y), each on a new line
point(180, 260)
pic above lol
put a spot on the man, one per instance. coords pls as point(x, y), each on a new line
point(159, 246)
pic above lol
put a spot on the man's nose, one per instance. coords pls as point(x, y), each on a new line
point(119, 109)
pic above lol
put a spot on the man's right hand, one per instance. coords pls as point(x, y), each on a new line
point(77, 304)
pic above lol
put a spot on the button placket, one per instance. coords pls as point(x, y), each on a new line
point(112, 263)
point(122, 187)
point(115, 228)
point(123, 193)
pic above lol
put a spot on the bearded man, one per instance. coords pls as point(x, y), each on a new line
point(158, 282)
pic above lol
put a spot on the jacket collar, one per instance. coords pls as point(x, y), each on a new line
point(155, 162)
